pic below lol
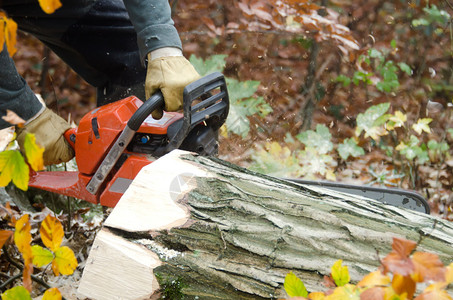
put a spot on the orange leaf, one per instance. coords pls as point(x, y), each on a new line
point(398, 261)
point(434, 292)
point(26, 274)
point(51, 232)
point(12, 118)
point(49, 6)
point(403, 284)
point(52, 294)
point(375, 278)
point(427, 267)
point(5, 235)
point(376, 293)
point(8, 32)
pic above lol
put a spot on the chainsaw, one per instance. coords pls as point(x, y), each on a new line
point(114, 142)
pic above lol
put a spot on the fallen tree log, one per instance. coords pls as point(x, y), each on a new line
point(210, 230)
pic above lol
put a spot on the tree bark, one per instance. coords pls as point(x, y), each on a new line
point(207, 229)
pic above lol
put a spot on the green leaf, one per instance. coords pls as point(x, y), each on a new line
point(393, 44)
point(276, 161)
point(294, 287)
point(371, 119)
point(243, 105)
point(312, 163)
point(319, 139)
point(361, 77)
point(348, 148)
point(405, 68)
point(13, 168)
point(16, 293)
point(215, 63)
point(346, 81)
point(340, 274)
point(41, 256)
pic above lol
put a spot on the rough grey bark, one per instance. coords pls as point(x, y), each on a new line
point(247, 231)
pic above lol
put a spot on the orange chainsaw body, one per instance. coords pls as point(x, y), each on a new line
point(96, 133)
point(115, 141)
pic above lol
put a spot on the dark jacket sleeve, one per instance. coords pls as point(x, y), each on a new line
point(153, 23)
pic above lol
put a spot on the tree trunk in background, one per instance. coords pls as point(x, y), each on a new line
point(206, 228)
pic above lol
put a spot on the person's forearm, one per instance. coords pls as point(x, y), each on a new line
point(153, 23)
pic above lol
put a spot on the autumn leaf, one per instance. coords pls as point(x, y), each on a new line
point(422, 125)
point(65, 261)
point(33, 152)
point(13, 168)
point(396, 120)
point(347, 291)
point(49, 6)
point(340, 274)
point(316, 296)
point(427, 267)
point(52, 294)
point(449, 274)
point(294, 287)
point(398, 260)
point(16, 293)
point(8, 33)
point(373, 279)
point(22, 235)
point(403, 285)
point(434, 291)
point(12, 118)
point(5, 235)
point(51, 232)
point(375, 293)
point(27, 272)
point(41, 256)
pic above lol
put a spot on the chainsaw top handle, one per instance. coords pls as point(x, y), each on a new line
point(153, 102)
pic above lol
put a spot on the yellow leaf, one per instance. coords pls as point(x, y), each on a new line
point(49, 6)
point(22, 235)
point(422, 125)
point(340, 274)
point(396, 120)
point(41, 256)
point(13, 167)
point(449, 274)
point(52, 294)
point(375, 278)
point(294, 287)
point(8, 33)
point(5, 235)
point(64, 262)
point(51, 232)
point(33, 152)
point(16, 293)
point(316, 296)
point(435, 291)
point(347, 291)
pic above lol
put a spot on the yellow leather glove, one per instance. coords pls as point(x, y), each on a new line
point(48, 129)
point(170, 74)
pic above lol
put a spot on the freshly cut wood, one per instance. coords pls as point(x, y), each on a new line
point(211, 230)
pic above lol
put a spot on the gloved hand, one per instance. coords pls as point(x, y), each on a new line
point(170, 74)
point(48, 129)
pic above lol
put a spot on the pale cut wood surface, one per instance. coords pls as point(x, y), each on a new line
point(236, 234)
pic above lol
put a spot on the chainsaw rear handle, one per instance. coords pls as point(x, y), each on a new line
point(212, 109)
